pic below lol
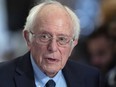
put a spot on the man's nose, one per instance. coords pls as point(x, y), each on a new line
point(52, 46)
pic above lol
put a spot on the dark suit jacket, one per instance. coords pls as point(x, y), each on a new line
point(19, 73)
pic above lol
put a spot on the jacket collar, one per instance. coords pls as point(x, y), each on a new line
point(73, 75)
point(24, 76)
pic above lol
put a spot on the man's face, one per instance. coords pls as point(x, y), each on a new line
point(52, 57)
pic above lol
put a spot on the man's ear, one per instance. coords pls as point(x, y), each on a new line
point(75, 42)
point(26, 37)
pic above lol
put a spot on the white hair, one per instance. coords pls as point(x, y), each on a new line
point(35, 10)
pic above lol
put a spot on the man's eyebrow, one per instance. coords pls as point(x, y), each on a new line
point(43, 32)
point(66, 35)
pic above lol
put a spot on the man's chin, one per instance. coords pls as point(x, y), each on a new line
point(51, 71)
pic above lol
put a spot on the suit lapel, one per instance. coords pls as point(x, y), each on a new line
point(73, 78)
point(24, 76)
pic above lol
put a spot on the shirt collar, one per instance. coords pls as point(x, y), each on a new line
point(40, 77)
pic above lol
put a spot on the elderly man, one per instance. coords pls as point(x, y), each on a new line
point(51, 32)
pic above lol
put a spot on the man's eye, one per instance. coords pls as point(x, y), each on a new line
point(44, 36)
point(63, 39)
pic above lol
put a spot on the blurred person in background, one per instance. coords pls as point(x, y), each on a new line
point(100, 50)
point(108, 17)
point(111, 76)
point(51, 32)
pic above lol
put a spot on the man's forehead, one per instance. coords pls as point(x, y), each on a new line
point(55, 28)
point(52, 10)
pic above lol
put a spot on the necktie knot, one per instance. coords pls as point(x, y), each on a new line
point(50, 83)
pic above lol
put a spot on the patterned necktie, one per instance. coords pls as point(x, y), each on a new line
point(50, 83)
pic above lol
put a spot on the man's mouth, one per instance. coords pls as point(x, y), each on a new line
point(51, 60)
